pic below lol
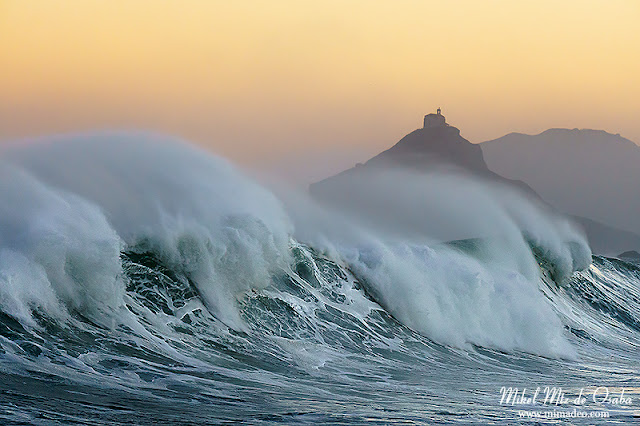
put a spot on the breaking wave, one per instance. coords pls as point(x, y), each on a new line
point(142, 266)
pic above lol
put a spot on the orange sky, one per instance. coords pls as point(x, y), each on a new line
point(256, 80)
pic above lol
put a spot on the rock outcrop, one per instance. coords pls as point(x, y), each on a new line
point(436, 145)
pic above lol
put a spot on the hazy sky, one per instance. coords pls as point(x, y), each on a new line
point(258, 80)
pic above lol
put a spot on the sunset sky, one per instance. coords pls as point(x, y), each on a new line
point(260, 80)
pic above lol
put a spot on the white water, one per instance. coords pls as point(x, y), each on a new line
point(388, 228)
point(196, 211)
point(69, 205)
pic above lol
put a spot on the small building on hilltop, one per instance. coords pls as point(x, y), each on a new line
point(435, 120)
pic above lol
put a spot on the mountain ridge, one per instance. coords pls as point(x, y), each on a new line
point(584, 172)
point(441, 145)
point(427, 147)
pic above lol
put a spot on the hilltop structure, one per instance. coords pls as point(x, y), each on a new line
point(437, 144)
point(435, 120)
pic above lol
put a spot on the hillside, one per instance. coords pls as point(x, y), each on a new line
point(517, 160)
point(588, 173)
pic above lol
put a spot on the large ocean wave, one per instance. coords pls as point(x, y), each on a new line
point(142, 266)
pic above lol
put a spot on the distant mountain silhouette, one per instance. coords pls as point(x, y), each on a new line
point(589, 173)
point(435, 145)
point(630, 255)
point(605, 239)
point(439, 145)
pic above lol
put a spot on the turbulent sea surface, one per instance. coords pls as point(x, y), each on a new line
point(145, 282)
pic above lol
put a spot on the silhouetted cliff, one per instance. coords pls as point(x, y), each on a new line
point(558, 166)
point(423, 150)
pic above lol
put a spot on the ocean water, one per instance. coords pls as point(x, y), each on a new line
point(143, 281)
